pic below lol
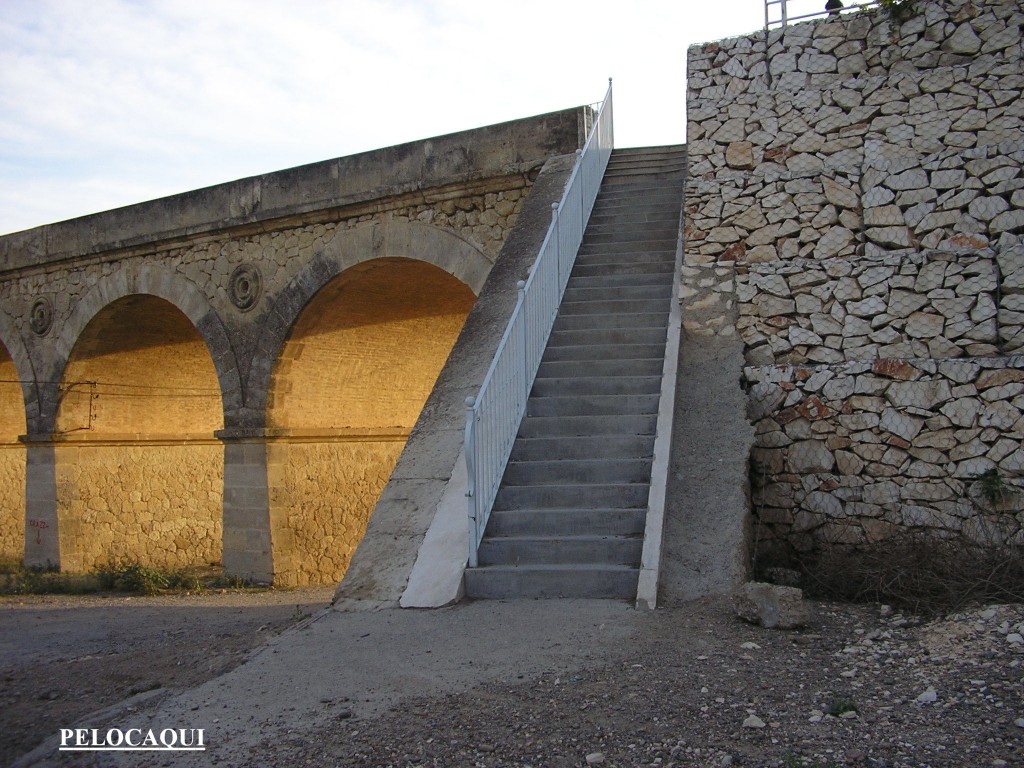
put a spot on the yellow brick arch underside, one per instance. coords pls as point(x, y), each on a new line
point(347, 388)
point(12, 463)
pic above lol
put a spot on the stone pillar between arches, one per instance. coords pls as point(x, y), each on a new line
point(248, 551)
point(42, 530)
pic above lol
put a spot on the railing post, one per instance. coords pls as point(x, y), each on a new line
point(611, 123)
point(525, 320)
point(583, 190)
point(557, 239)
point(474, 534)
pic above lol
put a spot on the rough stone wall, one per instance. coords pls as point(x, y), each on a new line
point(12, 463)
point(854, 218)
point(321, 496)
point(158, 505)
point(12, 502)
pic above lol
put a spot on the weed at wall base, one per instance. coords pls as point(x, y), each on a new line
point(913, 571)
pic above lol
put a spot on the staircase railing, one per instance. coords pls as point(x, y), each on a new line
point(783, 17)
point(493, 416)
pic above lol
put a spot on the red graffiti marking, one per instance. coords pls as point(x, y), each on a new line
point(38, 525)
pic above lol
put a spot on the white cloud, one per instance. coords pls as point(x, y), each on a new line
point(112, 102)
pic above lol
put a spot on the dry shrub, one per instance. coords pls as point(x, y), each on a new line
point(916, 572)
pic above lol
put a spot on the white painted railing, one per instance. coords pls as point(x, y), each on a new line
point(801, 10)
point(493, 416)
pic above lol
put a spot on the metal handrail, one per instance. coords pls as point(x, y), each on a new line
point(493, 416)
point(785, 18)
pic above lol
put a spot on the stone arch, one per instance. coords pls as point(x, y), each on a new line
point(349, 385)
point(149, 280)
point(139, 472)
point(348, 248)
point(11, 338)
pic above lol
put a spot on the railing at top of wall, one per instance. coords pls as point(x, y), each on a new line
point(493, 416)
point(784, 17)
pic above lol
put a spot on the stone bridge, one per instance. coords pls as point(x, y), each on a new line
point(230, 375)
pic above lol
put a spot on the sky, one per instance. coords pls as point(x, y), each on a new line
point(105, 103)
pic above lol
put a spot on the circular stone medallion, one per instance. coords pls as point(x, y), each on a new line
point(245, 286)
point(41, 317)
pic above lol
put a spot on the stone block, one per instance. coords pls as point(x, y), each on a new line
point(771, 606)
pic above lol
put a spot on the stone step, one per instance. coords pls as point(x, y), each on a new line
point(646, 171)
point(624, 249)
point(644, 215)
point(612, 306)
point(633, 210)
point(663, 150)
point(572, 369)
point(593, 405)
point(617, 280)
point(606, 495)
point(600, 447)
point(661, 232)
point(582, 353)
point(653, 191)
point(595, 521)
point(552, 581)
point(620, 293)
point(556, 471)
point(587, 426)
point(596, 385)
point(608, 322)
point(606, 336)
point(553, 550)
point(663, 268)
point(602, 256)
point(643, 233)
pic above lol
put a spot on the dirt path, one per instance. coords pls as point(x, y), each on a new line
point(538, 683)
point(63, 657)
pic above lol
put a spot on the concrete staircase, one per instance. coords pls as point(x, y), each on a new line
point(569, 517)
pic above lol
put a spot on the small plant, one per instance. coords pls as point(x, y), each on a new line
point(899, 10)
point(133, 577)
point(116, 576)
point(992, 487)
point(20, 580)
point(840, 706)
point(914, 571)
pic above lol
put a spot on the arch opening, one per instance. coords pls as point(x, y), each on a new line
point(12, 462)
point(139, 472)
point(345, 392)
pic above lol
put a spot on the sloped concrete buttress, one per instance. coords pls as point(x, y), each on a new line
point(381, 568)
point(654, 528)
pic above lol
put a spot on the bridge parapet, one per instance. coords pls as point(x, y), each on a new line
point(314, 192)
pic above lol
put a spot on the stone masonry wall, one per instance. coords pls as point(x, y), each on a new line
point(854, 216)
point(322, 495)
point(12, 503)
point(12, 464)
point(158, 505)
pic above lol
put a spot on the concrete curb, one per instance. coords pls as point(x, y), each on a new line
point(650, 558)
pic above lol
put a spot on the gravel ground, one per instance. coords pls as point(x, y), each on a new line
point(700, 688)
point(684, 686)
point(63, 657)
